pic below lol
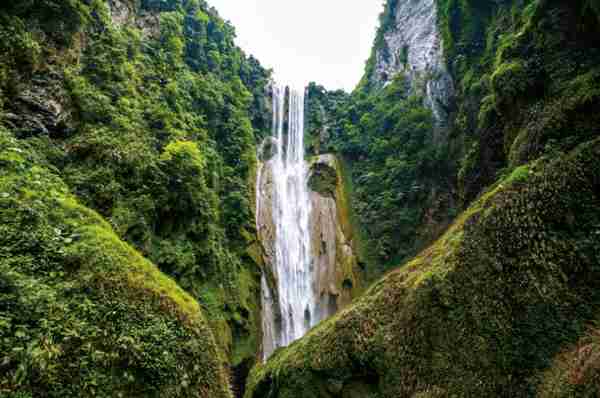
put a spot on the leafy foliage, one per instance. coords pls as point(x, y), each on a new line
point(159, 115)
point(82, 312)
point(501, 304)
point(387, 138)
point(523, 89)
point(514, 71)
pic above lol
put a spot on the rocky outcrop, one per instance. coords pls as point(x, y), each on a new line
point(123, 13)
point(42, 105)
point(264, 252)
point(120, 12)
point(40, 108)
point(264, 216)
point(334, 259)
point(412, 45)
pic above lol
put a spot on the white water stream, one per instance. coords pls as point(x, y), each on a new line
point(297, 302)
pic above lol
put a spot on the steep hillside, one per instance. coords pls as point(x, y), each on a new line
point(148, 113)
point(81, 312)
point(501, 304)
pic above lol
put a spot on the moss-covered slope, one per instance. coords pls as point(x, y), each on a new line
point(81, 312)
point(482, 312)
point(149, 112)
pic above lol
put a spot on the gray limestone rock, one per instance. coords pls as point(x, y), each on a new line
point(413, 46)
point(40, 108)
point(332, 251)
point(123, 13)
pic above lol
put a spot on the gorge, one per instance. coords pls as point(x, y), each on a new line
point(173, 223)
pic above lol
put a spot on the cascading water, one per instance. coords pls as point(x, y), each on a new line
point(296, 311)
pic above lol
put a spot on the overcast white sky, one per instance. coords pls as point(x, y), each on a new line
point(327, 41)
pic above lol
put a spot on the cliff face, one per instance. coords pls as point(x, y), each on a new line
point(410, 43)
point(394, 132)
point(334, 263)
point(482, 312)
point(333, 250)
point(266, 233)
point(125, 13)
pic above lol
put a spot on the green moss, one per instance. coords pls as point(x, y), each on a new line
point(81, 311)
point(351, 226)
point(519, 175)
point(481, 312)
point(517, 109)
point(485, 309)
point(156, 132)
point(468, 168)
point(560, 120)
point(487, 112)
point(575, 372)
point(509, 81)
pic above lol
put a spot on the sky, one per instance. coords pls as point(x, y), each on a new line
point(326, 41)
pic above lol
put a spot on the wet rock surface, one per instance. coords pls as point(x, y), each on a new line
point(39, 108)
point(334, 262)
point(334, 258)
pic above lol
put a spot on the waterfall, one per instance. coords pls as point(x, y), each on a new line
point(291, 312)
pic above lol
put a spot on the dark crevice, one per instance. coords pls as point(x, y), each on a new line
point(239, 376)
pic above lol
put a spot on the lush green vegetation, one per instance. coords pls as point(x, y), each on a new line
point(524, 86)
point(81, 312)
point(128, 267)
point(150, 115)
point(323, 110)
point(386, 138)
point(522, 91)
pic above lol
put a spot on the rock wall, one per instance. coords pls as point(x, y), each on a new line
point(332, 246)
point(480, 313)
point(413, 46)
point(266, 230)
point(511, 285)
point(123, 13)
